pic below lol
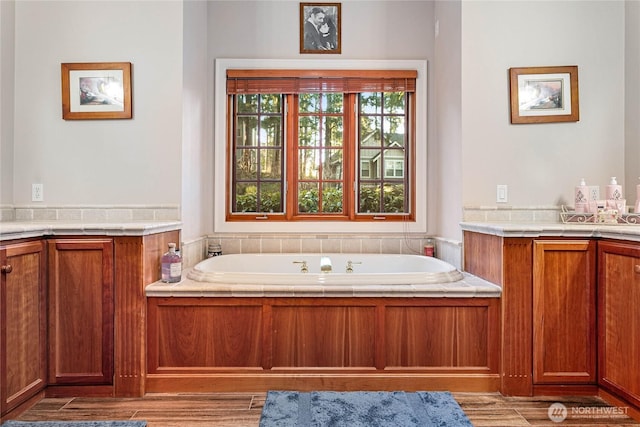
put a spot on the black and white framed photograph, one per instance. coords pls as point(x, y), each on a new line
point(320, 30)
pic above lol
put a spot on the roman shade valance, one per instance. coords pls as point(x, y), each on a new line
point(316, 81)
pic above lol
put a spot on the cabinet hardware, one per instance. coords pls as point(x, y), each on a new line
point(6, 269)
point(637, 268)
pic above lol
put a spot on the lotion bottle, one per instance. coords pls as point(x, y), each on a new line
point(582, 197)
point(614, 190)
point(171, 265)
point(615, 199)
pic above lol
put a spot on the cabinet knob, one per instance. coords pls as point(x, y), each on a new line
point(637, 268)
point(6, 269)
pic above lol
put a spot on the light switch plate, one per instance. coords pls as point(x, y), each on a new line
point(501, 193)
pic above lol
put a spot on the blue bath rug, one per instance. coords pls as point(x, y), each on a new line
point(361, 409)
point(14, 423)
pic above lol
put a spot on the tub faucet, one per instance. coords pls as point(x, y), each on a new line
point(325, 264)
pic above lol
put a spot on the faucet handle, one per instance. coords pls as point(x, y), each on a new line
point(303, 268)
point(350, 265)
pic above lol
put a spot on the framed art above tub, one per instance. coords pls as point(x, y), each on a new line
point(96, 90)
point(320, 28)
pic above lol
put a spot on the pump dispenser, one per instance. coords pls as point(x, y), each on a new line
point(614, 196)
point(582, 197)
point(614, 190)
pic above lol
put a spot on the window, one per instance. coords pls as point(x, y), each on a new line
point(321, 145)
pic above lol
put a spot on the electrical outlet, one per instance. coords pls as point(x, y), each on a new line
point(37, 192)
point(501, 193)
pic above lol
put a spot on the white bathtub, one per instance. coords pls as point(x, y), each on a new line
point(287, 269)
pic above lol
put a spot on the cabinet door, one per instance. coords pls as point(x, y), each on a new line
point(564, 312)
point(619, 319)
point(23, 320)
point(80, 311)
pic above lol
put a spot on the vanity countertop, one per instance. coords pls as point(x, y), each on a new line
point(577, 230)
point(26, 229)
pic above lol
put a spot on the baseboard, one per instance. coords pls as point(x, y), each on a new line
point(76, 390)
point(211, 383)
point(23, 407)
point(632, 411)
point(565, 390)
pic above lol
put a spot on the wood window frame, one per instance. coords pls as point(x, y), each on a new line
point(348, 82)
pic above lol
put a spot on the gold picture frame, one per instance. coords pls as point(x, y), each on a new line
point(544, 94)
point(320, 28)
point(96, 90)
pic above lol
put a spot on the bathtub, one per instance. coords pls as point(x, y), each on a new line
point(308, 269)
point(247, 322)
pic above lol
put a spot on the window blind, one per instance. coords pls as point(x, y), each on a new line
point(316, 81)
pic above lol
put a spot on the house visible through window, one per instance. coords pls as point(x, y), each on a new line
point(321, 145)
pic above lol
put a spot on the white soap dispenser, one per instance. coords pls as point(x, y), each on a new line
point(615, 200)
point(582, 197)
point(614, 190)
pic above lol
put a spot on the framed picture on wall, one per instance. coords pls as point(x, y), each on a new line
point(96, 90)
point(320, 28)
point(544, 94)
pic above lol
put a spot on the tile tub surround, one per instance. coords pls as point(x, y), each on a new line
point(411, 244)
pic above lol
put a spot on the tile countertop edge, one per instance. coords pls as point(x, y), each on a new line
point(504, 229)
point(22, 230)
point(469, 287)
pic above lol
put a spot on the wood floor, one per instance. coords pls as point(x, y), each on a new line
point(242, 409)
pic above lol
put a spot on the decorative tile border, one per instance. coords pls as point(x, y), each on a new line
point(540, 214)
point(91, 213)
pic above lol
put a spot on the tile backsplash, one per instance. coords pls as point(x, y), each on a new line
point(90, 213)
point(518, 214)
point(195, 250)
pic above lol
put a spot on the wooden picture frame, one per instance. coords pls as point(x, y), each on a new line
point(544, 94)
point(96, 90)
point(320, 28)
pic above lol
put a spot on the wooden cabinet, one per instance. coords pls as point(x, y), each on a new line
point(619, 319)
point(548, 336)
point(249, 344)
point(23, 323)
point(564, 312)
point(81, 311)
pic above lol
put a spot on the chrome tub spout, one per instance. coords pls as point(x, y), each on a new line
point(325, 264)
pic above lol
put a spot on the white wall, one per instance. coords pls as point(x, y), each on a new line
point(161, 156)
point(445, 166)
point(7, 10)
point(98, 162)
point(371, 30)
point(632, 99)
point(541, 163)
point(197, 148)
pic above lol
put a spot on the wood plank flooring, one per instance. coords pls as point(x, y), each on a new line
point(243, 409)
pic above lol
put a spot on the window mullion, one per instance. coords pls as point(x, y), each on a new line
point(350, 158)
point(291, 146)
